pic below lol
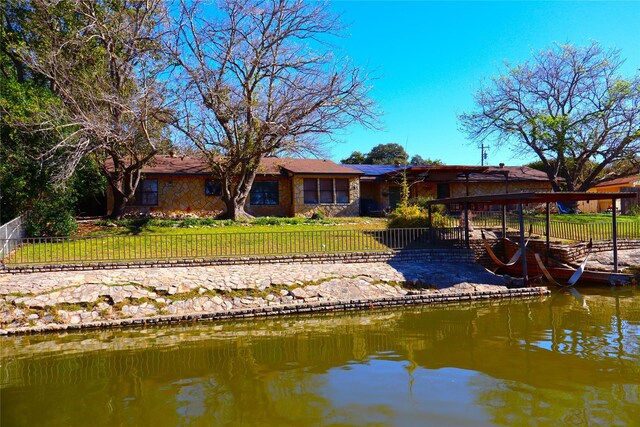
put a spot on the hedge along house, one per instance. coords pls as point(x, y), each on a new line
point(380, 185)
point(282, 187)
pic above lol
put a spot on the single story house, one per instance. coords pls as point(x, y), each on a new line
point(627, 184)
point(282, 187)
point(302, 187)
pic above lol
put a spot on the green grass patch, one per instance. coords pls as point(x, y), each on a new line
point(160, 242)
point(576, 227)
point(209, 225)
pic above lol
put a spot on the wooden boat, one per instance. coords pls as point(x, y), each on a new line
point(565, 273)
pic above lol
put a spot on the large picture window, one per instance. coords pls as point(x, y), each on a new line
point(326, 191)
point(146, 194)
point(264, 193)
point(212, 188)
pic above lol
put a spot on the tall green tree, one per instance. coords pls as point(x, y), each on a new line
point(571, 108)
point(24, 177)
point(418, 160)
point(356, 158)
point(103, 60)
point(387, 154)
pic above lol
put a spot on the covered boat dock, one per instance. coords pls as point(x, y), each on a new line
point(521, 199)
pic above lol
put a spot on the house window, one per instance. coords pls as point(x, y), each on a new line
point(264, 193)
point(310, 191)
point(326, 191)
point(443, 191)
point(342, 190)
point(146, 194)
point(212, 187)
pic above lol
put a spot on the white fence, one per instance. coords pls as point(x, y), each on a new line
point(10, 235)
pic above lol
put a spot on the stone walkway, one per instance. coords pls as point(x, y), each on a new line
point(77, 297)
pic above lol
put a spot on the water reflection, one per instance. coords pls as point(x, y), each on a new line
point(537, 362)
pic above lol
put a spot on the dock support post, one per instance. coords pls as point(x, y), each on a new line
point(504, 221)
point(615, 236)
point(430, 227)
point(548, 227)
point(525, 273)
point(466, 225)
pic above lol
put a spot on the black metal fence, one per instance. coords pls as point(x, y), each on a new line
point(598, 231)
point(132, 248)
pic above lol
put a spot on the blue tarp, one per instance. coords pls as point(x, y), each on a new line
point(562, 208)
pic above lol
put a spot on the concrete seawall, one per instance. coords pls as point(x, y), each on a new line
point(454, 295)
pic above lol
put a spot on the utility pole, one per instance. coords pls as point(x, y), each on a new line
point(484, 154)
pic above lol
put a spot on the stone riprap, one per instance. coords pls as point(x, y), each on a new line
point(41, 301)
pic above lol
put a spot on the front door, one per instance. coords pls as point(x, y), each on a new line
point(394, 197)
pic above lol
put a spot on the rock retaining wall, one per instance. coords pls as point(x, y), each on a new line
point(409, 299)
point(453, 255)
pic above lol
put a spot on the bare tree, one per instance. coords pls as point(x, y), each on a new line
point(571, 108)
point(261, 80)
point(102, 61)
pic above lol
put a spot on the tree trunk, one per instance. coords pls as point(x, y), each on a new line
point(119, 204)
point(235, 211)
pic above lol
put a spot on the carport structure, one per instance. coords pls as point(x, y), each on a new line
point(521, 199)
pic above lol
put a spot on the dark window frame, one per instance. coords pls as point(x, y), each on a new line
point(141, 194)
point(443, 190)
point(310, 194)
point(342, 191)
point(259, 197)
point(313, 194)
point(216, 191)
point(325, 190)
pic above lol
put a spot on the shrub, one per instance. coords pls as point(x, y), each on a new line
point(413, 216)
point(318, 216)
point(634, 211)
point(421, 201)
point(52, 216)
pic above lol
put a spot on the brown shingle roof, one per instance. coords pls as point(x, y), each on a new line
point(188, 165)
point(312, 166)
point(516, 173)
point(178, 165)
point(620, 181)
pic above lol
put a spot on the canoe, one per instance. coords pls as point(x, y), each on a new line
point(563, 274)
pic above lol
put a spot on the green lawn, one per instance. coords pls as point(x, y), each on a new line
point(589, 218)
point(211, 226)
point(144, 239)
point(148, 240)
point(578, 227)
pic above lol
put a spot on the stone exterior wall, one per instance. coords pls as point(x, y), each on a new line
point(329, 209)
point(177, 194)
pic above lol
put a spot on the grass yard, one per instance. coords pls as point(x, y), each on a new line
point(147, 226)
point(589, 218)
point(135, 240)
point(156, 239)
point(577, 227)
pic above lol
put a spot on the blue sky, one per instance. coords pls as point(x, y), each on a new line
point(431, 56)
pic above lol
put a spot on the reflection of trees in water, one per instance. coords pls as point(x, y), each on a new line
point(541, 357)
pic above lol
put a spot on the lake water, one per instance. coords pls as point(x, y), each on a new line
point(560, 360)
